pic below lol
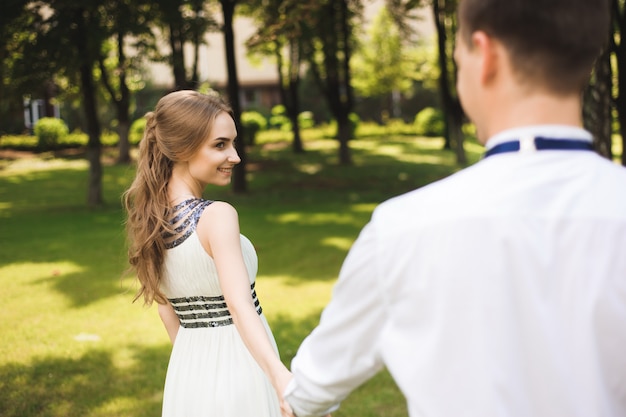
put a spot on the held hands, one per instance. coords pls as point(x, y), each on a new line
point(281, 386)
point(286, 410)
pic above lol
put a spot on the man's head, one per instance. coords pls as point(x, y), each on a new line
point(524, 62)
point(552, 43)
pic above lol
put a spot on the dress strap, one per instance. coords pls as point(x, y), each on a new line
point(184, 218)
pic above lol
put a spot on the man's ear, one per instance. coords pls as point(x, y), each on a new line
point(489, 56)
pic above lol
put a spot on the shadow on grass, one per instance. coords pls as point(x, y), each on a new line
point(95, 384)
point(55, 386)
point(302, 211)
point(373, 177)
point(93, 242)
point(307, 243)
point(379, 396)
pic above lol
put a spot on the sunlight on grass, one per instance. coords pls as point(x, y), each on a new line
point(34, 272)
point(279, 296)
point(338, 242)
point(313, 218)
point(30, 302)
point(363, 208)
point(27, 165)
point(74, 343)
point(310, 168)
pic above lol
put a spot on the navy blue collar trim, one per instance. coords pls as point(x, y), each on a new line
point(539, 144)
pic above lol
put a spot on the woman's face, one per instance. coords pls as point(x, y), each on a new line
point(216, 157)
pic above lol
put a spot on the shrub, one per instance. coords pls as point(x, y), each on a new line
point(429, 122)
point(76, 139)
point(252, 122)
point(306, 120)
point(354, 121)
point(108, 138)
point(20, 142)
point(50, 131)
point(279, 119)
point(136, 131)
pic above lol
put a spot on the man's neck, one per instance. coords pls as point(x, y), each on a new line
point(535, 109)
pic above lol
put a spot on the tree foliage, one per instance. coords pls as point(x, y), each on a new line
point(279, 35)
point(119, 72)
point(382, 63)
point(618, 49)
point(184, 22)
point(52, 48)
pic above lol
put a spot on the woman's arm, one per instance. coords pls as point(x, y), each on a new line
point(170, 320)
point(218, 230)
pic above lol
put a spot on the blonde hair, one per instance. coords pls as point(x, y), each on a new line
point(174, 132)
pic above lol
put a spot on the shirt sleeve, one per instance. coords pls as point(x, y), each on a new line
point(342, 352)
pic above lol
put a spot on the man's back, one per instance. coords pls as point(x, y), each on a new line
point(504, 286)
point(500, 291)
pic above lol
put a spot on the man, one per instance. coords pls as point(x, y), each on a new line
point(501, 290)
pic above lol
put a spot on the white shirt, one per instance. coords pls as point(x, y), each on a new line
point(498, 291)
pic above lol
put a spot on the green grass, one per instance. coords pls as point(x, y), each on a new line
point(73, 343)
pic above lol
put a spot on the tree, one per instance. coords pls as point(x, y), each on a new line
point(597, 106)
point(618, 48)
point(126, 18)
point(327, 46)
point(279, 34)
point(70, 40)
point(22, 73)
point(184, 21)
point(445, 22)
point(382, 65)
point(228, 11)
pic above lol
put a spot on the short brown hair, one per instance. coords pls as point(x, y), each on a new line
point(553, 42)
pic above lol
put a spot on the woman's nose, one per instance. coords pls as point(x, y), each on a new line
point(233, 157)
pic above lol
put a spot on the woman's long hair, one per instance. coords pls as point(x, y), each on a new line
point(174, 132)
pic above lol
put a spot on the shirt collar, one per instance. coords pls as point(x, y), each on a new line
point(549, 131)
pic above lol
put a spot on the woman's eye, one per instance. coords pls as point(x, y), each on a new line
point(220, 145)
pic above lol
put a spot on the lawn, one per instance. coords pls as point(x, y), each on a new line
point(74, 344)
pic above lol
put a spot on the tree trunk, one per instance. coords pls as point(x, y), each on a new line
point(228, 10)
point(597, 105)
point(48, 95)
point(333, 32)
point(442, 81)
point(293, 109)
point(194, 82)
point(344, 132)
point(123, 105)
point(456, 132)
point(346, 96)
point(94, 192)
point(178, 57)
point(451, 107)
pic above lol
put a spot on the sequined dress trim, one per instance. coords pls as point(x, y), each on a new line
point(201, 311)
point(184, 219)
point(198, 311)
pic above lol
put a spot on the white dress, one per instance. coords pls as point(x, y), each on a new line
point(211, 373)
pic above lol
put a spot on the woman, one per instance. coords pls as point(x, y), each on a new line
point(191, 259)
